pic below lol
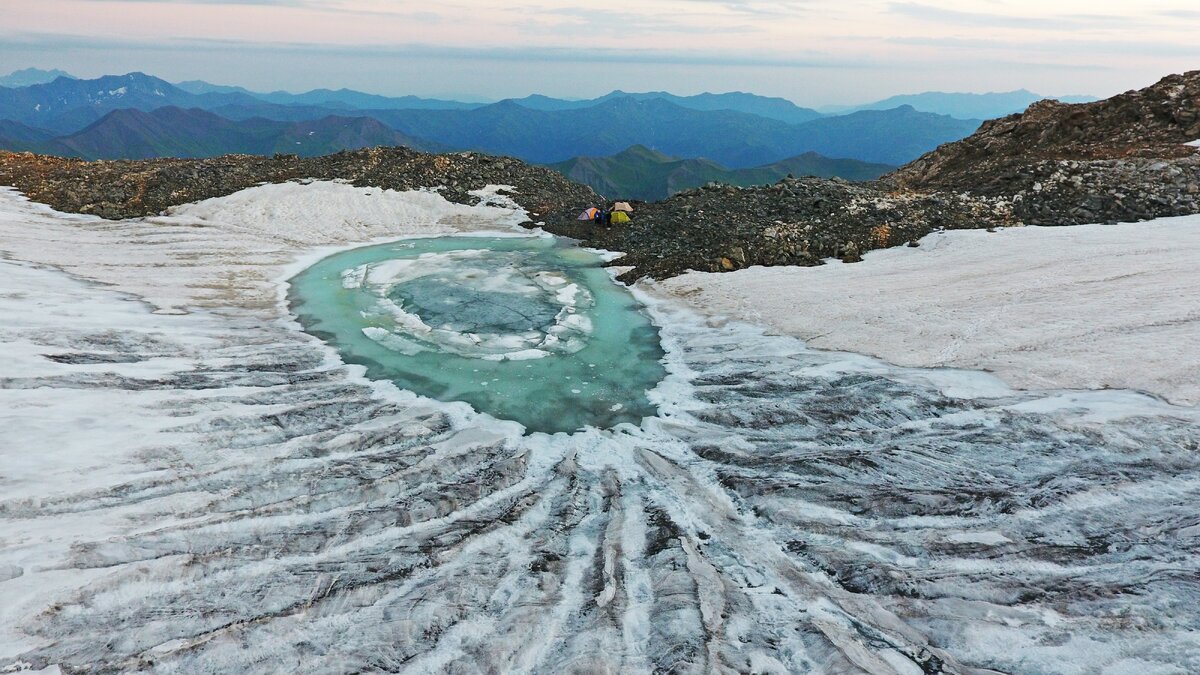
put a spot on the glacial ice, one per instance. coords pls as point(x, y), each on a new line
point(188, 482)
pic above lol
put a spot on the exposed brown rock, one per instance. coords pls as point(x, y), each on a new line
point(132, 188)
point(1154, 122)
point(1121, 159)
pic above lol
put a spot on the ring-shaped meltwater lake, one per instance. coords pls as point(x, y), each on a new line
point(528, 329)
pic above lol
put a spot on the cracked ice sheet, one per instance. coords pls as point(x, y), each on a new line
point(212, 490)
point(1088, 306)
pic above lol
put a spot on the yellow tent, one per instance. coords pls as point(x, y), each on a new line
point(619, 217)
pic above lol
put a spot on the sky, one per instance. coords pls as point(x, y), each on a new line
point(814, 52)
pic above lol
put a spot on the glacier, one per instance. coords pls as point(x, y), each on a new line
point(190, 482)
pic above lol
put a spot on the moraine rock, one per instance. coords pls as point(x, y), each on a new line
point(1121, 159)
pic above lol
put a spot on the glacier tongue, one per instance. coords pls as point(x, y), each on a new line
point(190, 483)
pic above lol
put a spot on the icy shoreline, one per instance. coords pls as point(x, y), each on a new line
point(1081, 307)
point(202, 487)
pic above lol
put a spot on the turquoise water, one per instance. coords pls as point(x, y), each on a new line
point(525, 329)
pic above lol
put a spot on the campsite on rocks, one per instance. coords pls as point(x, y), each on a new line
point(344, 382)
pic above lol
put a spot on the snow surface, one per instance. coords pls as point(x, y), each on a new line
point(1094, 306)
point(188, 483)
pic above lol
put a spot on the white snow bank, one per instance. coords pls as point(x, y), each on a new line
point(1194, 144)
point(1093, 306)
point(330, 212)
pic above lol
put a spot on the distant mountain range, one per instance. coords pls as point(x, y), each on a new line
point(30, 76)
point(634, 145)
point(535, 129)
point(17, 136)
point(961, 105)
point(343, 98)
point(175, 132)
point(734, 139)
point(763, 106)
point(641, 173)
point(65, 105)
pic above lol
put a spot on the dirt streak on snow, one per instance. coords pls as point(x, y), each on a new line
point(1093, 306)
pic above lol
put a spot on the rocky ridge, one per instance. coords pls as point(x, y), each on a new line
point(798, 221)
point(137, 188)
point(1125, 158)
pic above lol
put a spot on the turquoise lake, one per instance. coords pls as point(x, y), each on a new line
point(525, 329)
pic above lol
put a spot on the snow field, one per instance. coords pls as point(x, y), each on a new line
point(1084, 307)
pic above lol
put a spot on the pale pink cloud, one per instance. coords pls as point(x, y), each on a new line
point(896, 45)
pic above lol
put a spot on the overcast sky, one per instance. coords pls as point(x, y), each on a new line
point(814, 52)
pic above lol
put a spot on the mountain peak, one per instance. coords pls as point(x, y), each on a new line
point(30, 76)
point(634, 103)
point(167, 114)
point(136, 76)
point(508, 105)
point(641, 152)
point(1154, 122)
